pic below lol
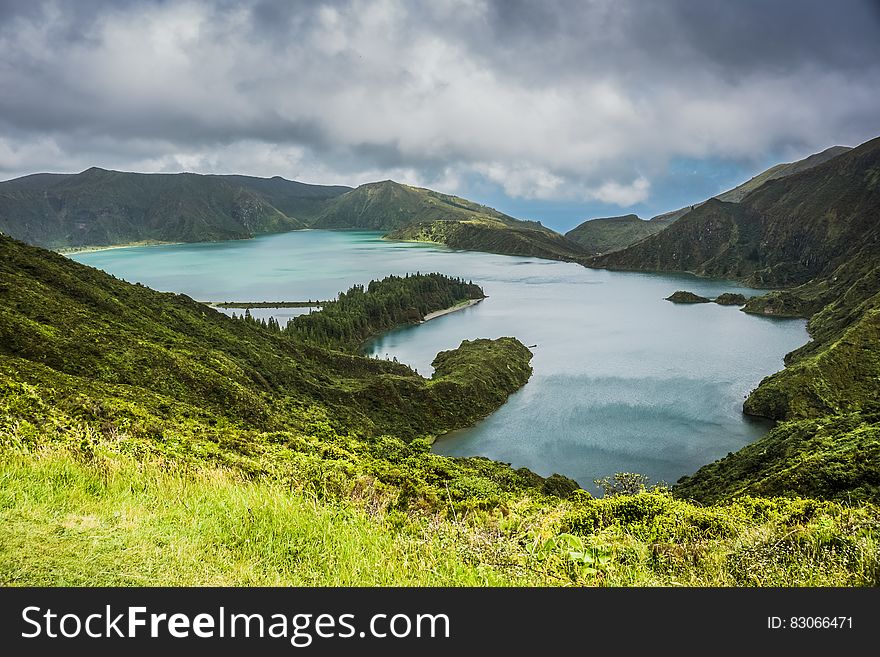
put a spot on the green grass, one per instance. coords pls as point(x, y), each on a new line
point(118, 522)
point(102, 518)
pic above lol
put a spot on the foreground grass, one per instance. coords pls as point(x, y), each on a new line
point(107, 520)
point(69, 523)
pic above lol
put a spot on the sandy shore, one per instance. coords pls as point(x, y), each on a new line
point(91, 249)
point(461, 306)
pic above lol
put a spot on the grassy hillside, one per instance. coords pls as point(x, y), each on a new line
point(612, 233)
point(787, 232)
point(92, 332)
point(389, 205)
point(606, 235)
point(492, 236)
point(99, 207)
point(739, 192)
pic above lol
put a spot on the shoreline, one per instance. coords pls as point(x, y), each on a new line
point(446, 311)
point(76, 250)
point(264, 304)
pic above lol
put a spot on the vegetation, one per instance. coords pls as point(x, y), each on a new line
point(388, 205)
point(683, 296)
point(84, 512)
point(99, 207)
point(492, 236)
point(609, 234)
point(731, 299)
point(360, 313)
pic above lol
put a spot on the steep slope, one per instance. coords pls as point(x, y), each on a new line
point(66, 324)
point(492, 236)
point(388, 205)
point(787, 232)
point(99, 207)
point(610, 234)
point(737, 194)
point(295, 199)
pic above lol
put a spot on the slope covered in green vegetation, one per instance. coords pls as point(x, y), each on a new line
point(388, 205)
point(99, 207)
point(608, 234)
point(492, 236)
point(739, 192)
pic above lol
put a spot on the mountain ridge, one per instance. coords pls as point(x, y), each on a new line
point(607, 234)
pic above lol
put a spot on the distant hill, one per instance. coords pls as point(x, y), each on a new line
point(99, 207)
point(612, 233)
point(493, 237)
point(389, 205)
point(785, 232)
point(423, 215)
point(609, 234)
point(295, 199)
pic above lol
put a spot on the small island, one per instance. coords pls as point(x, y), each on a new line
point(683, 296)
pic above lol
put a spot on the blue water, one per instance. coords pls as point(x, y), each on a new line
point(623, 380)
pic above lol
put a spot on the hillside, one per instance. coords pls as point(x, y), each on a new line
point(295, 199)
point(608, 234)
point(492, 236)
point(739, 192)
point(147, 439)
point(389, 205)
point(605, 235)
point(99, 207)
point(787, 232)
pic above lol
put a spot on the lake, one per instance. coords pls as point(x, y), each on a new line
point(623, 381)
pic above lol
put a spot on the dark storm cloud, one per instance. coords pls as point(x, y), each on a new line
point(585, 99)
point(740, 37)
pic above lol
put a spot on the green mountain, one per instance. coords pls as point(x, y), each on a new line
point(492, 236)
point(605, 235)
point(295, 199)
point(388, 205)
point(422, 215)
point(612, 233)
point(148, 439)
point(786, 232)
point(816, 234)
point(99, 207)
point(737, 194)
point(103, 208)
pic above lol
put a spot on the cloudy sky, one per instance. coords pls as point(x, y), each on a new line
point(556, 111)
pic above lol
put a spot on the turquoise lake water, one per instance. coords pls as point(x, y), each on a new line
point(623, 380)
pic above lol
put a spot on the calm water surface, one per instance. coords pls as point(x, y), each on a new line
point(623, 380)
